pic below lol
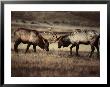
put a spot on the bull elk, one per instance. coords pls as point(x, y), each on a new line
point(30, 37)
point(87, 37)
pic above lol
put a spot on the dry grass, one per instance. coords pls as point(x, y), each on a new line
point(50, 64)
point(55, 63)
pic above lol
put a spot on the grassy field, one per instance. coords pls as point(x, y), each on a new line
point(56, 62)
point(53, 63)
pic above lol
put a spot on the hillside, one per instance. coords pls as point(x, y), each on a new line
point(91, 19)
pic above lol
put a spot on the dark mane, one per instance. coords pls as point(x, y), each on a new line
point(64, 36)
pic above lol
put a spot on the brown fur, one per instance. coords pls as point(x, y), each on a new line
point(30, 37)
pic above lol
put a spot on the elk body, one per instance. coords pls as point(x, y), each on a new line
point(30, 37)
point(87, 37)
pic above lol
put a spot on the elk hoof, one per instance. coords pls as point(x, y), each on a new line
point(78, 55)
point(89, 56)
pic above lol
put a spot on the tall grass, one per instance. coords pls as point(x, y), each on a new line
point(55, 63)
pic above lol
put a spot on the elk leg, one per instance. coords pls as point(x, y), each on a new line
point(27, 48)
point(77, 48)
point(17, 42)
point(71, 49)
point(98, 53)
point(92, 50)
point(34, 47)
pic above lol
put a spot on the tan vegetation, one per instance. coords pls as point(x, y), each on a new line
point(53, 63)
point(57, 62)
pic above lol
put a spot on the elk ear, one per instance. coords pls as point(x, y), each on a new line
point(57, 39)
point(43, 40)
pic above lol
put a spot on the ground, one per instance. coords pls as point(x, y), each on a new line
point(55, 63)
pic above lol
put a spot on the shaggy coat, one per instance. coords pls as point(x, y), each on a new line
point(30, 37)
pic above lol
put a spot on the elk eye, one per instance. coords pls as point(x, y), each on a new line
point(53, 36)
